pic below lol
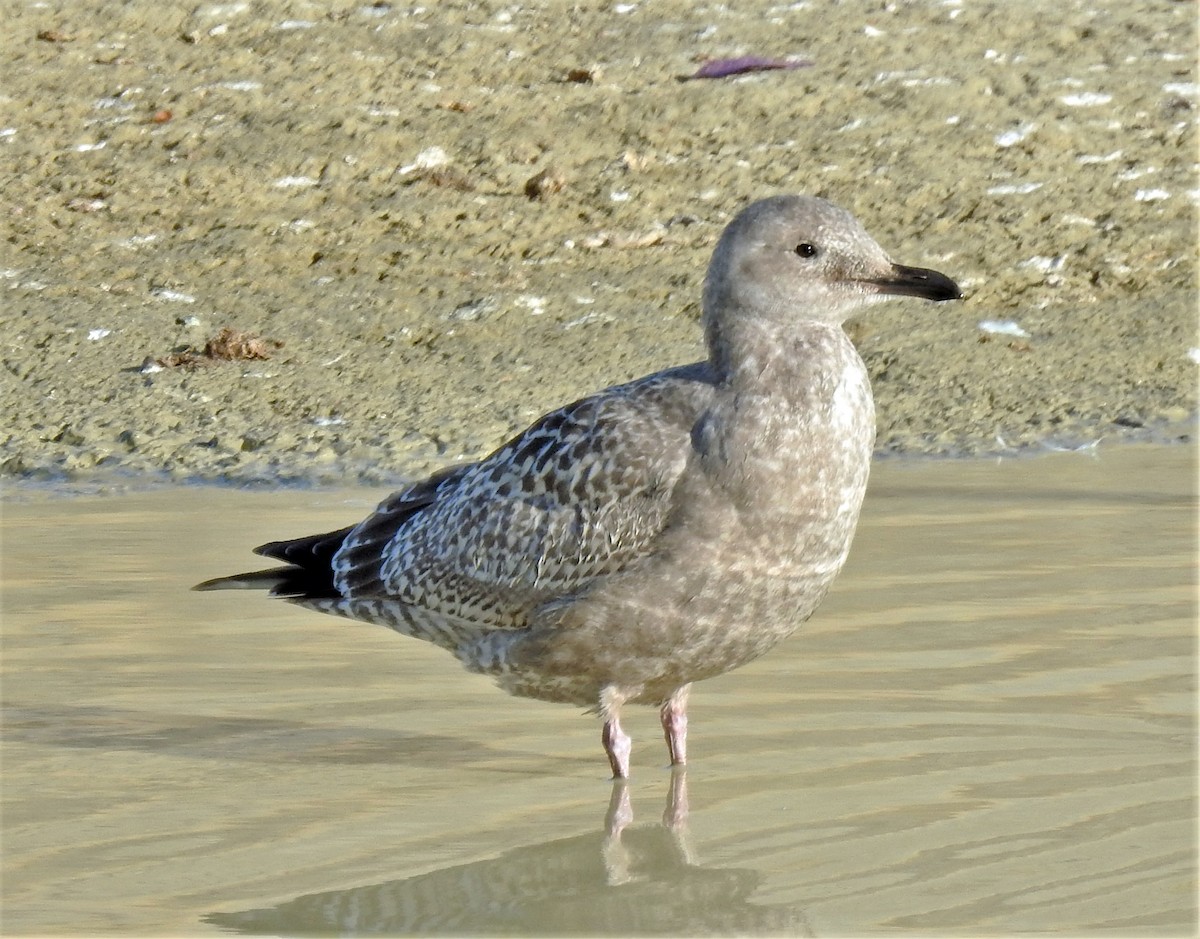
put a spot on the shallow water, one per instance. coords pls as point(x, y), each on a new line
point(989, 727)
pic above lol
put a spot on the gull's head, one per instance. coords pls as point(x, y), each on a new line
point(803, 259)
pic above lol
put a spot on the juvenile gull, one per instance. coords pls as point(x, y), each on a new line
point(657, 532)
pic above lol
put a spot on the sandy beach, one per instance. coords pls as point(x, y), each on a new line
point(437, 222)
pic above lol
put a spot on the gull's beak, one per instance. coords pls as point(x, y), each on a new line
point(917, 282)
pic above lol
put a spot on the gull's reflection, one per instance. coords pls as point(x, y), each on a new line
point(625, 880)
point(617, 858)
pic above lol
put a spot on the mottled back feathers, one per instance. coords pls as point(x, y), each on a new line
point(580, 494)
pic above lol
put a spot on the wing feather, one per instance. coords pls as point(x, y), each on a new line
point(579, 495)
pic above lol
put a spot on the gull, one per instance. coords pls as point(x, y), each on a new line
point(658, 532)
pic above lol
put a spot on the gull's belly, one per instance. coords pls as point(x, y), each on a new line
point(761, 525)
point(720, 594)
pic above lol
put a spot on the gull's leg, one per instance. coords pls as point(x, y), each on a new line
point(617, 744)
point(673, 715)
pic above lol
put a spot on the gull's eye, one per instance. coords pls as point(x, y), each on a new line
point(805, 250)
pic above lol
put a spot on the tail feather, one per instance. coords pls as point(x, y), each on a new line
point(309, 574)
point(280, 581)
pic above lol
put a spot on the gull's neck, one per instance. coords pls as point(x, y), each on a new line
point(768, 356)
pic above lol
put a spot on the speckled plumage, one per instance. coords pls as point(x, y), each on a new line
point(658, 532)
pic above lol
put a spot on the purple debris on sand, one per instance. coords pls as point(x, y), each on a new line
point(722, 68)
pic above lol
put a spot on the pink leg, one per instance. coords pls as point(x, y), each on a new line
point(673, 715)
point(618, 745)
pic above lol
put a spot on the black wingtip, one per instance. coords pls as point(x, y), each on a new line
point(310, 551)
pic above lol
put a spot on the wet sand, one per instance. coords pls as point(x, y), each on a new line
point(271, 169)
point(988, 728)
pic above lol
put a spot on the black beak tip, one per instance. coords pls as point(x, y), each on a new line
point(949, 290)
point(920, 282)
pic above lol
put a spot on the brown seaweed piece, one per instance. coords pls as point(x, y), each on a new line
point(229, 345)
